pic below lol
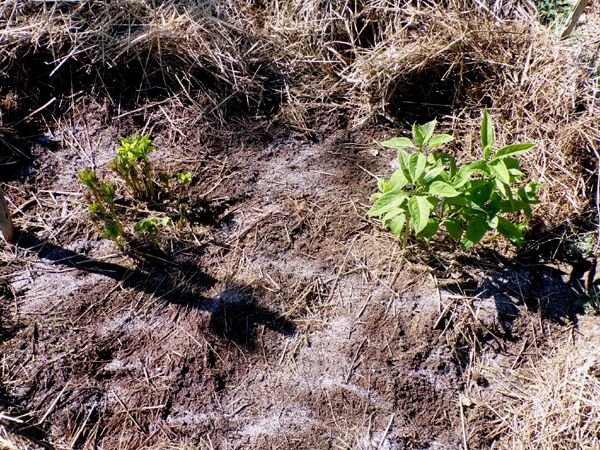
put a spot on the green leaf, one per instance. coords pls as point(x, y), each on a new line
point(487, 151)
point(419, 208)
point(511, 206)
point(416, 165)
point(451, 161)
point(528, 193)
point(386, 203)
point(464, 203)
point(391, 214)
point(96, 210)
point(513, 232)
point(184, 177)
point(493, 222)
point(479, 191)
point(88, 178)
point(403, 162)
point(500, 170)
point(464, 174)
point(480, 166)
point(512, 150)
point(422, 133)
point(398, 180)
point(513, 167)
point(430, 229)
point(433, 174)
point(443, 189)
point(376, 196)
point(439, 139)
point(396, 224)
point(453, 228)
point(111, 229)
point(487, 133)
point(503, 188)
point(428, 130)
point(515, 173)
point(475, 231)
point(398, 142)
point(462, 177)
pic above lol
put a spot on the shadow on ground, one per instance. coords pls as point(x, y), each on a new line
point(547, 281)
point(235, 312)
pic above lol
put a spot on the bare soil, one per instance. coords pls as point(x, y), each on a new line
point(278, 318)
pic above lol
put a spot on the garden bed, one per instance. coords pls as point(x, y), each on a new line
point(279, 315)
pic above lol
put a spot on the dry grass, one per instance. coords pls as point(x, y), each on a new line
point(302, 62)
point(551, 402)
point(360, 61)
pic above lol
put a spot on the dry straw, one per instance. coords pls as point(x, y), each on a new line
point(361, 61)
point(552, 402)
point(303, 61)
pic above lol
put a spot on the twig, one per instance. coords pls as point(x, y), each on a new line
point(41, 421)
point(385, 433)
point(462, 424)
point(577, 12)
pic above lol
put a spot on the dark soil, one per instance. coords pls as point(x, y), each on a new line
point(278, 318)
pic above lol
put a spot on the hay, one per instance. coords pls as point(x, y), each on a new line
point(551, 403)
point(361, 61)
point(301, 62)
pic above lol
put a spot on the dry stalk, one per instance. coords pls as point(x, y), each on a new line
point(6, 224)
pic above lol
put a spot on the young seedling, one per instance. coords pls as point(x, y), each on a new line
point(133, 166)
point(101, 199)
point(184, 179)
point(150, 226)
point(430, 191)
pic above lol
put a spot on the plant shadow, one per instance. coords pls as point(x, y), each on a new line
point(235, 312)
point(542, 282)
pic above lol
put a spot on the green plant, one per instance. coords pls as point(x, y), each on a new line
point(133, 166)
point(150, 226)
point(430, 191)
point(184, 179)
point(551, 11)
point(101, 199)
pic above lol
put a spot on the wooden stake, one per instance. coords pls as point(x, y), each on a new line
point(6, 225)
point(577, 12)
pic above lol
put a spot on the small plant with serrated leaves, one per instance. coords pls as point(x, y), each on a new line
point(184, 179)
point(430, 191)
point(133, 166)
point(150, 226)
point(101, 200)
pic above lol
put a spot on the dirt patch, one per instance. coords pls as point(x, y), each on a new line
point(278, 315)
point(289, 321)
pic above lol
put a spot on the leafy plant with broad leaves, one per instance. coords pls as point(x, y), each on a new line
point(429, 191)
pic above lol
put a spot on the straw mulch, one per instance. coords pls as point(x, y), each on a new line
point(552, 401)
point(362, 61)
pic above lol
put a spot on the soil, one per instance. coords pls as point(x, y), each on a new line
point(280, 317)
